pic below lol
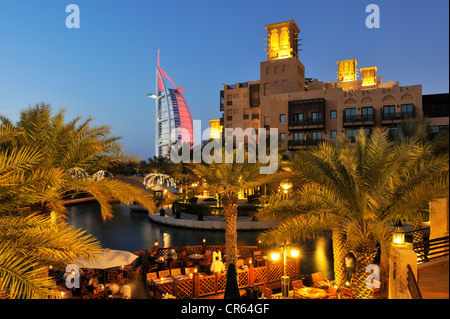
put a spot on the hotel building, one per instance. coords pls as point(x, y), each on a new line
point(173, 117)
point(307, 111)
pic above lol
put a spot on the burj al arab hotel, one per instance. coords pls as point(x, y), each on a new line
point(173, 117)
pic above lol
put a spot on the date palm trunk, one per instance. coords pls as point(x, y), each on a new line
point(339, 253)
point(418, 238)
point(230, 213)
point(364, 256)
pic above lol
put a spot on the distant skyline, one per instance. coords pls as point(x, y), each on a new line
point(105, 68)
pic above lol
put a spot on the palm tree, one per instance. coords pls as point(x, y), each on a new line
point(64, 147)
point(160, 165)
point(227, 180)
point(356, 190)
point(421, 131)
point(36, 159)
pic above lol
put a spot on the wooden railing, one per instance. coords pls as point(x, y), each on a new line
point(202, 286)
point(431, 249)
point(206, 285)
point(413, 287)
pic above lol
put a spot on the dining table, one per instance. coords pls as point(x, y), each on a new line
point(196, 258)
point(312, 293)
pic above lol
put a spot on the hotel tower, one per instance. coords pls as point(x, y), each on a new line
point(173, 118)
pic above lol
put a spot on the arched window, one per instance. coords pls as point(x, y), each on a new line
point(274, 40)
point(284, 38)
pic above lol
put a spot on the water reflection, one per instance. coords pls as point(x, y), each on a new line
point(133, 231)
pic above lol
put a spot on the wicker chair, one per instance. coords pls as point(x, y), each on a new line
point(205, 264)
point(319, 281)
point(267, 292)
point(331, 294)
point(152, 275)
point(296, 285)
point(164, 273)
point(347, 293)
point(175, 272)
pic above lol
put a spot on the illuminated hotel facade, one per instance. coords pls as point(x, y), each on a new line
point(173, 117)
point(307, 111)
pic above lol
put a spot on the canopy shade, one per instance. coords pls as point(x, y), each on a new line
point(109, 258)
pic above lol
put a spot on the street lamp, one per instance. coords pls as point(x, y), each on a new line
point(285, 278)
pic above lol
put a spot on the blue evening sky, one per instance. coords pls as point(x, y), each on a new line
point(105, 68)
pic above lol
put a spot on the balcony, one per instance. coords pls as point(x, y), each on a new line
point(395, 117)
point(359, 120)
point(307, 123)
point(254, 102)
point(308, 142)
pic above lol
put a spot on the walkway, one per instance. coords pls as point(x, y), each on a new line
point(209, 222)
point(433, 279)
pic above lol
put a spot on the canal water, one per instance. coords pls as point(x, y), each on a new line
point(133, 231)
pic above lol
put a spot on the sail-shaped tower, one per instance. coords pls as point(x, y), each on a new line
point(173, 117)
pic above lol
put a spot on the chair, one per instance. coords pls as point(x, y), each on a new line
point(296, 285)
point(348, 293)
point(319, 281)
point(175, 272)
point(205, 263)
point(112, 276)
point(189, 270)
point(164, 273)
point(185, 262)
point(173, 264)
point(332, 290)
point(257, 257)
point(152, 275)
point(266, 293)
point(134, 273)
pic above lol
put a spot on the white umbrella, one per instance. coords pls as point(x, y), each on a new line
point(109, 258)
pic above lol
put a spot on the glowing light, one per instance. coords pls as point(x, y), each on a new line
point(398, 237)
point(286, 184)
point(156, 181)
point(275, 256)
point(295, 253)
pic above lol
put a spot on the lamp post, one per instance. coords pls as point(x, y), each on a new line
point(285, 278)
